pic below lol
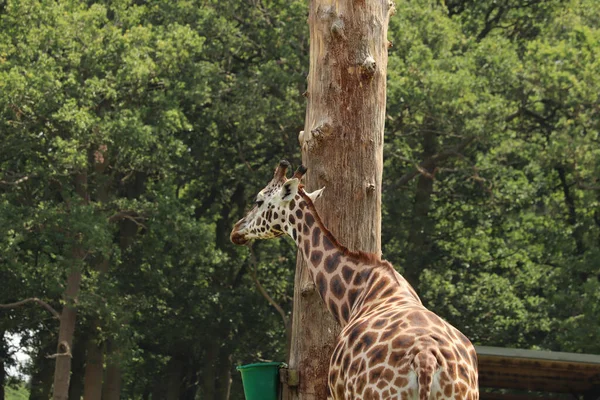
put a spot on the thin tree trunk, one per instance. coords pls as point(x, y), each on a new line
point(113, 380)
point(224, 374)
point(41, 379)
point(209, 373)
point(94, 367)
point(174, 378)
point(77, 371)
point(62, 369)
point(421, 226)
point(342, 146)
point(3, 356)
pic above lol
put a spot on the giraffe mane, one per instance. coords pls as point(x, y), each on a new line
point(361, 256)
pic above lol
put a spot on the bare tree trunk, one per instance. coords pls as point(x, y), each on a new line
point(112, 380)
point(3, 356)
point(421, 225)
point(342, 146)
point(41, 379)
point(94, 368)
point(62, 369)
point(224, 374)
point(77, 371)
point(174, 378)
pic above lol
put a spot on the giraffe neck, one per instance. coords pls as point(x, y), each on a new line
point(343, 278)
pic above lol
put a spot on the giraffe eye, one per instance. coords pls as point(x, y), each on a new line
point(259, 202)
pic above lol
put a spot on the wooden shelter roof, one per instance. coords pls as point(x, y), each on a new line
point(539, 371)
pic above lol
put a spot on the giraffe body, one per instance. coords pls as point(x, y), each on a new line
point(390, 346)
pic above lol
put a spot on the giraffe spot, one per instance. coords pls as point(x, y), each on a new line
point(310, 220)
point(352, 294)
point(277, 228)
point(328, 244)
point(258, 221)
point(388, 375)
point(339, 391)
point(447, 354)
point(332, 262)
point(400, 382)
point(376, 289)
point(321, 284)
point(345, 362)
point(461, 389)
point(381, 384)
point(417, 319)
point(345, 312)
point(391, 331)
point(302, 205)
point(292, 219)
point(305, 230)
point(462, 372)
point(315, 257)
point(316, 237)
point(306, 247)
point(356, 331)
point(388, 292)
point(333, 308)
point(292, 205)
point(378, 354)
point(294, 234)
point(463, 353)
point(361, 381)
point(448, 390)
point(275, 215)
point(299, 213)
point(375, 374)
point(451, 370)
point(380, 323)
point(361, 277)
point(403, 342)
point(337, 286)
point(347, 272)
point(418, 331)
point(368, 339)
point(396, 357)
point(371, 394)
point(473, 355)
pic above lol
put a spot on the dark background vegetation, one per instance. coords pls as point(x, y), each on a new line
point(177, 112)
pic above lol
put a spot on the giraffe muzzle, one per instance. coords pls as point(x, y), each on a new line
point(236, 237)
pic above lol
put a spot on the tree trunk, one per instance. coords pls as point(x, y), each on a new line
point(77, 371)
point(94, 367)
point(223, 381)
point(62, 369)
point(41, 379)
point(174, 378)
point(342, 146)
point(421, 225)
point(3, 356)
point(112, 380)
point(208, 372)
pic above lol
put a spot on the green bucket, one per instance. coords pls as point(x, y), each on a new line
point(260, 380)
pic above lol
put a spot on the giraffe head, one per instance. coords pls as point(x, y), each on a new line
point(273, 205)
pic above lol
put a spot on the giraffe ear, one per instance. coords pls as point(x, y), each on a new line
point(289, 189)
point(316, 194)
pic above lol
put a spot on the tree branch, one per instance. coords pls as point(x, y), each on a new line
point(35, 300)
point(434, 161)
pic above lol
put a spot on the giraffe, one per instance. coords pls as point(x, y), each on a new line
point(390, 345)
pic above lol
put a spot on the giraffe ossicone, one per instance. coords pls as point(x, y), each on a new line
point(390, 346)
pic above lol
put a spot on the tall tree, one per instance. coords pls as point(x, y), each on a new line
point(342, 146)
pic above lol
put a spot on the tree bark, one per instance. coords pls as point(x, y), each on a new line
point(41, 379)
point(94, 368)
point(77, 371)
point(112, 380)
point(62, 369)
point(342, 146)
point(421, 225)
